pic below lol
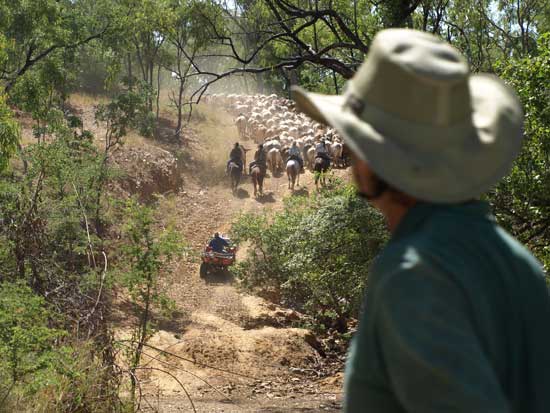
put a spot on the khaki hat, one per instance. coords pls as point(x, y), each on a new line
point(425, 125)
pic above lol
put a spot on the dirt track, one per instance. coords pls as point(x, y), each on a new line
point(241, 362)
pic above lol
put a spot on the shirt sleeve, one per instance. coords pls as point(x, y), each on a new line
point(431, 353)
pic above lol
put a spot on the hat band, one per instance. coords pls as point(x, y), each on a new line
point(355, 104)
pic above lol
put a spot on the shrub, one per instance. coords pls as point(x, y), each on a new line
point(521, 201)
point(315, 254)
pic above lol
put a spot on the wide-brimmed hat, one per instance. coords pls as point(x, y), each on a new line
point(425, 125)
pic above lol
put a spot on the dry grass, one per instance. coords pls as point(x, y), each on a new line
point(134, 140)
point(216, 133)
point(83, 100)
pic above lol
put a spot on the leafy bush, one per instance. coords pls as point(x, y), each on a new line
point(522, 200)
point(53, 270)
point(145, 255)
point(9, 133)
point(26, 340)
point(38, 372)
point(315, 254)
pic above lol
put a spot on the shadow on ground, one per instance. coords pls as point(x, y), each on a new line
point(219, 277)
point(175, 323)
point(265, 198)
point(241, 193)
point(300, 192)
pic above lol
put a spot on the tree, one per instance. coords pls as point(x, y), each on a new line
point(26, 340)
point(186, 36)
point(34, 29)
point(9, 134)
point(146, 254)
point(522, 200)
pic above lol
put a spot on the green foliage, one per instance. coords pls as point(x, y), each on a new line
point(315, 254)
point(127, 110)
point(522, 200)
point(145, 256)
point(9, 133)
point(45, 236)
point(26, 340)
point(36, 372)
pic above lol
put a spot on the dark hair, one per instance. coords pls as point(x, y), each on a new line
point(236, 144)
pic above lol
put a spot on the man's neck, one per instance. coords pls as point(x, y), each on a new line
point(393, 211)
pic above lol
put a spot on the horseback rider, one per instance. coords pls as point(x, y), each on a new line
point(294, 154)
point(259, 159)
point(217, 243)
point(321, 151)
point(236, 156)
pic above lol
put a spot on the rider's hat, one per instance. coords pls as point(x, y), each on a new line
point(419, 119)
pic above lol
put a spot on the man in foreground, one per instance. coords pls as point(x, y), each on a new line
point(457, 314)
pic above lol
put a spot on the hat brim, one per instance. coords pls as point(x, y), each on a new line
point(473, 157)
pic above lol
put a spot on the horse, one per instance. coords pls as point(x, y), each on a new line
point(293, 171)
point(235, 172)
point(320, 166)
point(257, 173)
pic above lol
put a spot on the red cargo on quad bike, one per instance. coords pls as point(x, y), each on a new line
point(213, 261)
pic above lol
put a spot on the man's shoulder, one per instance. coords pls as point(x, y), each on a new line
point(407, 250)
point(398, 259)
point(448, 251)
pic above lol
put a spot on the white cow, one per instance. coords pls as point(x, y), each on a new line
point(274, 160)
point(241, 126)
point(335, 150)
point(310, 157)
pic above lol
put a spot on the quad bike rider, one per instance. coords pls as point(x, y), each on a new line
point(218, 254)
point(294, 154)
point(217, 243)
point(236, 156)
point(259, 160)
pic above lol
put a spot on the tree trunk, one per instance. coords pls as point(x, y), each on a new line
point(158, 92)
point(336, 88)
point(130, 74)
point(180, 107)
point(151, 84)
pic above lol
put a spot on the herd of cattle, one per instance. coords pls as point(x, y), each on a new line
point(273, 121)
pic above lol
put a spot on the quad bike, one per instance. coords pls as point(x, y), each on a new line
point(216, 262)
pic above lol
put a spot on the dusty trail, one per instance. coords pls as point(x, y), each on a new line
point(248, 357)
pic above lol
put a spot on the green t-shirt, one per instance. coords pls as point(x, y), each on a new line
point(456, 319)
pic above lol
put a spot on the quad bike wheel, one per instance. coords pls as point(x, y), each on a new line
point(203, 271)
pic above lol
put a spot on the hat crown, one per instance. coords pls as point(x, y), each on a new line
point(414, 76)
